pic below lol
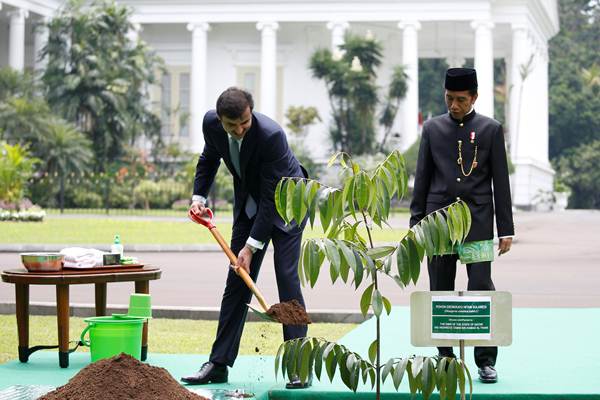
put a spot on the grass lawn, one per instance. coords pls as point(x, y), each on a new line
point(178, 336)
point(96, 230)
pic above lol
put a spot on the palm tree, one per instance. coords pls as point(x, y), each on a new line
point(66, 150)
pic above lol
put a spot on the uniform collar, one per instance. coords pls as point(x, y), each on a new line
point(469, 116)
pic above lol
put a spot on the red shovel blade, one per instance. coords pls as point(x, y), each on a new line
point(202, 220)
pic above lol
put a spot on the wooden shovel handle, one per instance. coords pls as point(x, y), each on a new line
point(239, 271)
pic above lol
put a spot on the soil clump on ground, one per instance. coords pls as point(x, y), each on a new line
point(289, 313)
point(122, 377)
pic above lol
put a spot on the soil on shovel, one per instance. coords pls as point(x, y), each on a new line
point(122, 377)
point(289, 313)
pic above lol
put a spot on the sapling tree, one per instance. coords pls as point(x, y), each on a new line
point(348, 216)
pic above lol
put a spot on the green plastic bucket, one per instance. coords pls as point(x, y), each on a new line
point(110, 336)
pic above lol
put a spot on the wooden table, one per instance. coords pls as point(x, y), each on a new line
point(21, 278)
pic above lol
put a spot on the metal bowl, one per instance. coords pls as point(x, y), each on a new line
point(45, 262)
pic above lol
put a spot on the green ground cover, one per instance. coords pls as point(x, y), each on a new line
point(178, 336)
point(96, 230)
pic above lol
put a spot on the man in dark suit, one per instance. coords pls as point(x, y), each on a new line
point(461, 156)
point(255, 150)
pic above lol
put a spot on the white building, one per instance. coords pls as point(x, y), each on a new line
point(265, 45)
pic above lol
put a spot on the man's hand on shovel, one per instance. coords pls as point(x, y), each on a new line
point(244, 259)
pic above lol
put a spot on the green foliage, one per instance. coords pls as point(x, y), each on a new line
point(159, 194)
point(16, 168)
point(96, 76)
point(349, 75)
point(425, 374)
point(363, 200)
point(574, 99)
point(300, 117)
point(578, 169)
point(15, 83)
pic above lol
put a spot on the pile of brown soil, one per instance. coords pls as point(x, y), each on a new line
point(122, 377)
point(289, 313)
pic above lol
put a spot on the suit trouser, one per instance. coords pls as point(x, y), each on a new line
point(442, 272)
point(286, 246)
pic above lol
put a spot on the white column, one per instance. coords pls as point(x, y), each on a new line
point(519, 59)
point(198, 83)
point(40, 38)
point(529, 119)
point(268, 68)
point(16, 48)
point(484, 64)
point(338, 30)
point(410, 60)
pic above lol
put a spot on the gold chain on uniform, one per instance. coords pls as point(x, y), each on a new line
point(460, 160)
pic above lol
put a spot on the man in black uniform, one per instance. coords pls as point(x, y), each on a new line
point(461, 155)
point(255, 150)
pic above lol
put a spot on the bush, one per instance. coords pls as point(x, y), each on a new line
point(162, 194)
point(83, 198)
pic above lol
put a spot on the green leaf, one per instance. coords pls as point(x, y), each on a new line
point(331, 364)
point(403, 264)
point(413, 259)
point(399, 372)
point(456, 223)
point(442, 228)
point(387, 304)
point(377, 303)
point(451, 380)
point(416, 366)
point(292, 357)
point(460, 372)
point(348, 195)
point(312, 188)
point(278, 358)
point(332, 159)
point(319, 360)
point(373, 351)
point(299, 207)
point(325, 208)
point(316, 259)
point(303, 364)
point(387, 369)
point(358, 272)
point(289, 198)
point(280, 204)
point(413, 382)
point(380, 252)
point(428, 378)
point(361, 190)
point(348, 254)
point(365, 300)
point(466, 218)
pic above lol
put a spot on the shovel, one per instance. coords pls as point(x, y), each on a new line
point(207, 222)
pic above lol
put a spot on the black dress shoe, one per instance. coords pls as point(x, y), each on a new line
point(488, 374)
point(295, 383)
point(208, 373)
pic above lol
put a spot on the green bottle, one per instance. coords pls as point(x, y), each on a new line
point(117, 247)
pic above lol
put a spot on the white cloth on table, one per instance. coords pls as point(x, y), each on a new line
point(81, 257)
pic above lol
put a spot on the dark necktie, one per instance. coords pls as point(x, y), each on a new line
point(234, 154)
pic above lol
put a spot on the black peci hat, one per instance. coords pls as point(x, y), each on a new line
point(459, 79)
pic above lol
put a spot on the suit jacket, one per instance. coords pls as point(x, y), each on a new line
point(265, 158)
point(439, 180)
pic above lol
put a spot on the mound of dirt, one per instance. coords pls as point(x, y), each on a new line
point(289, 313)
point(122, 377)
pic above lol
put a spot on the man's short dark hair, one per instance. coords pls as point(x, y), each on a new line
point(233, 102)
